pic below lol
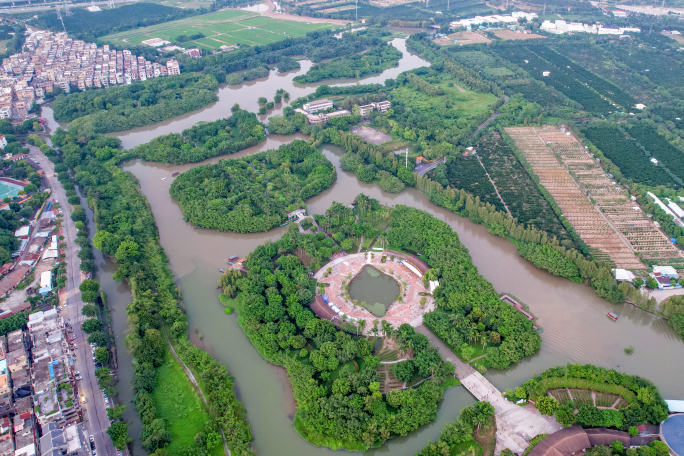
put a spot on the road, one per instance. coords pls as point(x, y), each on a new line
point(95, 413)
point(423, 168)
point(490, 118)
point(54, 5)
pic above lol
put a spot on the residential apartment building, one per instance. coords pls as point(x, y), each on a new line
point(54, 59)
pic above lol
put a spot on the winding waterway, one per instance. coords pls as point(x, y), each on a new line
point(573, 317)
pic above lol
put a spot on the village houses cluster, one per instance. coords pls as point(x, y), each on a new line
point(38, 389)
point(53, 59)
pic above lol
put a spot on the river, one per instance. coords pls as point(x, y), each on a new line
point(247, 94)
point(573, 317)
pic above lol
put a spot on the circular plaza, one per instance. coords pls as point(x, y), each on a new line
point(380, 285)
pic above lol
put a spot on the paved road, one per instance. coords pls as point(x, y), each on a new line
point(53, 5)
point(95, 414)
point(423, 168)
point(490, 118)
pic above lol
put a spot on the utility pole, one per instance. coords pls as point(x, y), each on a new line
point(407, 157)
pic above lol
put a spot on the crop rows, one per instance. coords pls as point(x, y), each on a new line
point(602, 86)
point(466, 173)
point(516, 188)
point(562, 79)
point(656, 66)
point(614, 226)
point(625, 154)
point(660, 148)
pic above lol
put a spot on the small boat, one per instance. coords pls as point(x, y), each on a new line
point(234, 257)
point(612, 316)
point(175, 173)
point(163, 178)
point(222, 270)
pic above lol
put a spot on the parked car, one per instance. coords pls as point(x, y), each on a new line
point(92, 438)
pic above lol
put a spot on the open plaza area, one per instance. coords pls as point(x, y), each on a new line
point(400, 267)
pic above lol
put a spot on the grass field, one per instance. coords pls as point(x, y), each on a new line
point(463, 103)
point(226, 27)
point(179, 406)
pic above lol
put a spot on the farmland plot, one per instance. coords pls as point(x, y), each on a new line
point(571, 175)
point(516, 188)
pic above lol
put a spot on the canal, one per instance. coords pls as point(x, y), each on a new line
point(573, 318)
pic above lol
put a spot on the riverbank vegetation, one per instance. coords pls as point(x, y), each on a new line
point(336, 407)
point(255, 193)
point(626, 400)
point(127, 232)
point(373, 61)
point(461, 437)
point(137, 105)
point(203, 140)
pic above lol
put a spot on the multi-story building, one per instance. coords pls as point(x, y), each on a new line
point(69, 441)
point(54, 59)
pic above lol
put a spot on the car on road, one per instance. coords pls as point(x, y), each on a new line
point(92, 438)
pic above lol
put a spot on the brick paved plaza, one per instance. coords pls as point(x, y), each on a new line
point(407, 311)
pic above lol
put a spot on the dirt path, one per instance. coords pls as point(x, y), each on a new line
point(494, 185)
point(188, 372)
point(293, 17)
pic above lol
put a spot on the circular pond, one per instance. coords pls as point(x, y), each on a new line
point(374, 290)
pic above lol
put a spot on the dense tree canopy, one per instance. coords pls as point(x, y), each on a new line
point(143, 103)
point(254, 193)
point(337, 405)
point(206, 139)
point(474, 311)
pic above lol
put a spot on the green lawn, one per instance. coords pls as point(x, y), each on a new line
point(179, 406)
point(228, 27)
point(464, 103)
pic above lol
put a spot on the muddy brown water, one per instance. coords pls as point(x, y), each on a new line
point(576, 328)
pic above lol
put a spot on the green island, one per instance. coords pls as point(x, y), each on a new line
point(253, 194)
point(373, 61)
point(137, 105)
point(332, 370)
point(126, 232)
point(204, 140)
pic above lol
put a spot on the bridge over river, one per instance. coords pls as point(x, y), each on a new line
point(515, 425)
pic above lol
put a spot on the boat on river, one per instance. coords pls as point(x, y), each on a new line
point(612, 316)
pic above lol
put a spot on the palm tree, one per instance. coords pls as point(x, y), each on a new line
point(360, 326)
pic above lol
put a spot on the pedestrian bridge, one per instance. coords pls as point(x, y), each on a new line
point(515, 425)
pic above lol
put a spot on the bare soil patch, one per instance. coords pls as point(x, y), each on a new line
point(372, 135)
point(513, 35)
point(462, 38)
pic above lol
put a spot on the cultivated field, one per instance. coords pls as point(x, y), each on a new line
point(462, 38)
point(511, 35)
point(614, 225)
point(226, 27)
